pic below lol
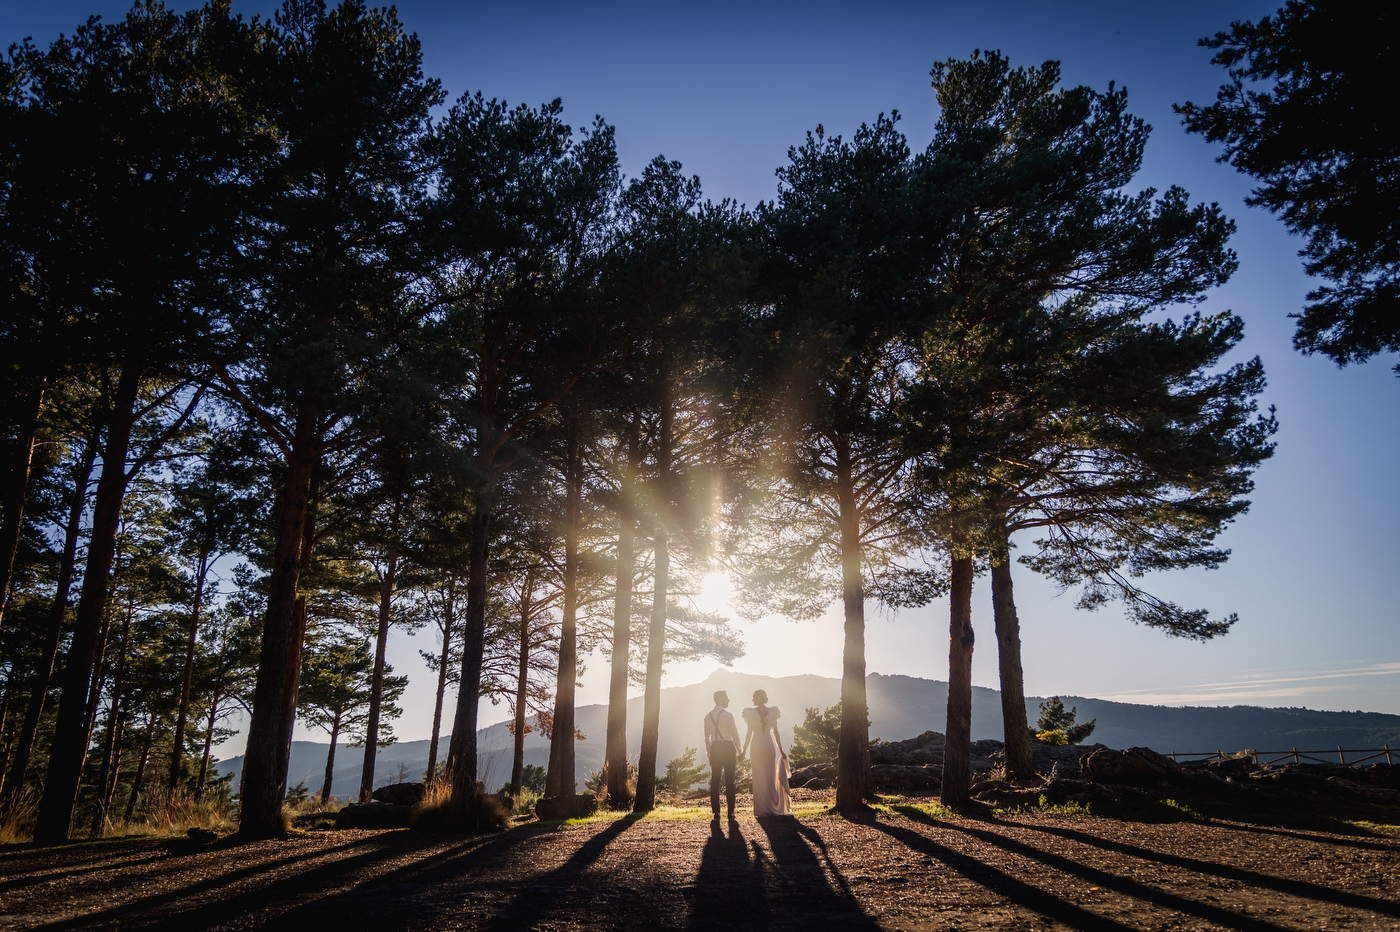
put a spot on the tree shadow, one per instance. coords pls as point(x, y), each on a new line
point(1299, 888)
point(729, 890)
point(798, 875)
point(255, 897)
point(1018, 891)
point(109, 860)
point(1357, 838)
point(532, 903)
point(1044, 903)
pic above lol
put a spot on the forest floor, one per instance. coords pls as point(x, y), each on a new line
point(907, 866)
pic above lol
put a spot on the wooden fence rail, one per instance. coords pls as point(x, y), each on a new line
point(1265, 758)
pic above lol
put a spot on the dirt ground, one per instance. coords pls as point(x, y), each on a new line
point(895, 870)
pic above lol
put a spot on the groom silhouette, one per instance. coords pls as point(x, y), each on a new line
point(722, 748)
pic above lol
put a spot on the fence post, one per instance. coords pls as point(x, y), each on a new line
point(1341, 755)
point(1295, 754)
point(1387, 755)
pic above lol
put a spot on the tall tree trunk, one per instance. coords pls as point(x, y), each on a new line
point(461, 760)
point(208, 750)
point(522, 685)
point(853, 783)
point(296, 644)
point(561, 780)
point(107, 782)
point(29, 407)
point(656, 635)
point(99, 679)
point(615, 757)
point(43, 674)
point(376, 689)
point(330, 761)
point(69, 741)
point(1019, 765)
point(447, 611)
point(111, 766)
point(957, 751)
point(138, 779)
point(265, 760)
point(191, 642)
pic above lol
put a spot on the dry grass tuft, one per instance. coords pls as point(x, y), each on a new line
point(479, 812)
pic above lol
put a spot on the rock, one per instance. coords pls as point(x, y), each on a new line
point(1133, 767)
point(579, 806)
point(202, 835)
point(810, 776)
point(373, 815)
point(906, 778)
point(1229, 768)
point(400, 794)
point(927, 748)
point(1386, 775)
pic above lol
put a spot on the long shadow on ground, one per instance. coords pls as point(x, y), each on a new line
point(1055, 908)
point(1300, 888)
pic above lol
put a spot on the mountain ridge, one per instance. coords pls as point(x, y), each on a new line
point(900, 707)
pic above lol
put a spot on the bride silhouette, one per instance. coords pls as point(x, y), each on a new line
point(770, 764)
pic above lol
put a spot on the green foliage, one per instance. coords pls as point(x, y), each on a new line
point(594, 783)
point(682, 773)
point(1299, 114)
point(532, 780)
point(1053, 737)
point(1043, 806)
point(815, 740)
point(336, 687)
point(1056, 720)
point(296, 795)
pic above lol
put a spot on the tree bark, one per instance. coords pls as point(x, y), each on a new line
point(447, 611)
point(43, 674)
point(957, 751)
point(138, 779)
point(208, 749)
point(561, 779)
point(522, 686)
point(17, 486)
point(69, 742)
point(853, 783)
point(376, 691)
point(330, 762)
point(265, 760)
point(461, 760)
point(111, 767)
point(107, 783)
point(1019, 764)
point(656, 636)
point(615, 755)
point(191, 641)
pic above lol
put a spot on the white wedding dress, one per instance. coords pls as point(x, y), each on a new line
point(770, 772)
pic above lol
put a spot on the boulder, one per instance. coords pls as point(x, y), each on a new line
point(578, 806)
point(1133, 767)
point(908, 778)
point(926, 748)
point(814, 777)
point(1231, 768)
point(400, 794)
point(373, 815)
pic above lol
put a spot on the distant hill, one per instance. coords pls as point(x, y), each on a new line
point(900, 707)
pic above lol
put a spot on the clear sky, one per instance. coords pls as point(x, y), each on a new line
point(726, 88)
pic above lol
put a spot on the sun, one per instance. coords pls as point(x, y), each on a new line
point(716, 595)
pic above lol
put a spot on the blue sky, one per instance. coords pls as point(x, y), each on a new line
point(727, 88)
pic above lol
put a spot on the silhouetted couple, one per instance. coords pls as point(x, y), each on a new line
point(770, 764)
